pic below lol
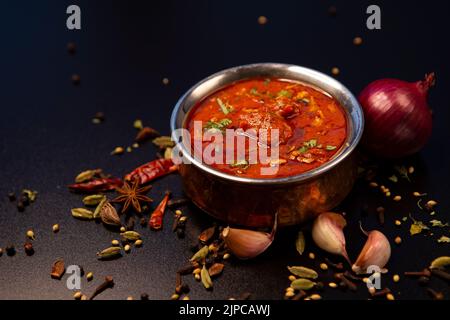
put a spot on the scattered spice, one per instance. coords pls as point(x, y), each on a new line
point(138, 243)
point(312, 255)
point(441, 274)
point(30, 234)
point(262, 20)
point(398, 240)
point(55, 228)
point(357, 41)
point(10, 250)
point(206, 279)
point(206, 235)
point(88, 175)
point(146, 134)
point(127, 248)
point(93, 200)
point(118, 151)
point(397, 198)
point(108, 214)
point(144, 296)
point(108, 283)
point(390, 296)
point(337, 266)
point(443, 239)
point(97, 185)
point(77, 295)
point(335, 71)
point(132, 195)
point(324, 266)
point(201, 254)
point(71, 48)
point(156, 219)
point(215, 270)
point(303, 272)
point(29, 250)
point(303, 284)
point(163, 142)
point(109, 253)
point(300, 242)
point(440, 262)
point(165, 81)
point(89, 276)
point(152, 170)
point(346, 282)
point(82, 213)
point(58, 269)
point(130, 235)
point(396, 278)
point(76, 79)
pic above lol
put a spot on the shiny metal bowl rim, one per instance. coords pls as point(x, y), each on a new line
point(356, 119)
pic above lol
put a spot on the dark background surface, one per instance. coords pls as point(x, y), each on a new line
point(124, 50)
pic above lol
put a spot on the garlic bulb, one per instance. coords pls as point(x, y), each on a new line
point(327, 233)
point(247, 244)
point(376, 252)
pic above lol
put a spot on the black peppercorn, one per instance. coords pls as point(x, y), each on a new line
point(10, 250)
point(144, 296)
point(25, 200)
point(143, 222)
point(12, 196)
point(180, 233)
point(76, 79)
point(20, 206)
point(71, 48)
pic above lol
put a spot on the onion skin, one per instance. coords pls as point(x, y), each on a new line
point(398, 120)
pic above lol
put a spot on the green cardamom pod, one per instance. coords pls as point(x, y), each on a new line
point(200, 254)
point(109, 253)
point(87, 175)
point(130, 235)
point(93, 200)
point(303, 272)
point(206, 279)
point(164, 142)
point(300, 242)
point(440, 263)
point(82, 213)
point(302, 284)
point(99, 207)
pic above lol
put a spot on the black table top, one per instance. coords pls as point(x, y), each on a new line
point(124, 50)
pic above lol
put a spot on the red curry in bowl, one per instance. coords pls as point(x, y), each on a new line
point(312, 124)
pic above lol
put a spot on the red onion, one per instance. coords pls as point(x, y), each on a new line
point(397, 117)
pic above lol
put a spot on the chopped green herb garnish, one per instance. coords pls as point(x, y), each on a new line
point(307, 145)
point(266, 81)
point(220, 125)
point(311, 143)
point(226, 108)
point(330, 148)
point(284, 93)
point(254, 92)
point(303, 149)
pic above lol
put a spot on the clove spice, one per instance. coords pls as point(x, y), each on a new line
point(108, 283)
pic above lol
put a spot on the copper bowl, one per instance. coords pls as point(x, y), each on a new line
point(256, 202)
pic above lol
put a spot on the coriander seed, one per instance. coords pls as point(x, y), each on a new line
point(396, 278)
point(55, 228)
point(89, 276)
point(127, 248)
point(398, 240)
point(30, 234)
point(324, 266)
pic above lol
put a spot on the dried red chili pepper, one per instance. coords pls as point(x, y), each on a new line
point(156, 218)
point(97, 185)
point(152, 170)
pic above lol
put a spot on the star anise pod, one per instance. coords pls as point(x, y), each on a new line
point(131, 194)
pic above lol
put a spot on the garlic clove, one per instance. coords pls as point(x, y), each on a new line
point(376, 252)
point(247, 244)
point(327, 233)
